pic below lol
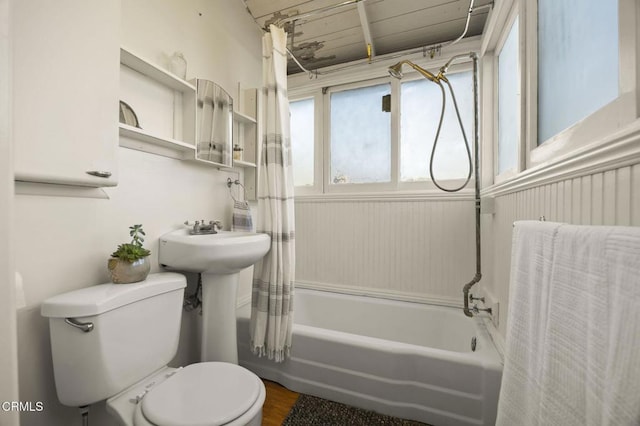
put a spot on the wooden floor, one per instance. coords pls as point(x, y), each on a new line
point(277, 404)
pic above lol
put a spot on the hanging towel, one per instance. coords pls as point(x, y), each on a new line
point(572, 353)
point(531, 257)
point(241, 219)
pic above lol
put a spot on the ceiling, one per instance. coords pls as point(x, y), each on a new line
point(342, 34)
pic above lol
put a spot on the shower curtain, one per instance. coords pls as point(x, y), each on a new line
point(273, 276)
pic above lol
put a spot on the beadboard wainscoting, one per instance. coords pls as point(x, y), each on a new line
point(406, 248)
point(610, 197)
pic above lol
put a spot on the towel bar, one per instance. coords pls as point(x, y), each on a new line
point(541, 219)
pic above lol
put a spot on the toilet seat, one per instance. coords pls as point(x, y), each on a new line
point(203, 394)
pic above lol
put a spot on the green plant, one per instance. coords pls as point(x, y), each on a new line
point(132, 251)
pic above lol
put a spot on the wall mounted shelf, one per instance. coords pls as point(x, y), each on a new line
point(242, 118)
point(144, 80)
point(143, 136)
point(158, 94)
point(152, 71)
point(243, 164)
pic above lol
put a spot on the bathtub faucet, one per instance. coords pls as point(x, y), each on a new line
point(476, 279)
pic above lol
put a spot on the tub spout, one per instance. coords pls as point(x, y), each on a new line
point(465, 291)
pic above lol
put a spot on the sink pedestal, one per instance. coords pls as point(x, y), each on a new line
point(219, 258)
point(219, 339)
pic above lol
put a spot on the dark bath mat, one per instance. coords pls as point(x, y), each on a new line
point(311, 411)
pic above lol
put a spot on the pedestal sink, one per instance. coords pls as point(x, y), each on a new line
point(219, 258)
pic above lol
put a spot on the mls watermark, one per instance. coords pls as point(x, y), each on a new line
point(22, 406)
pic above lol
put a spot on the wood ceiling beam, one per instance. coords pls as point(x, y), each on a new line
point(364, 22)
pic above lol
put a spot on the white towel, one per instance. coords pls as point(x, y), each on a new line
point(241, 218)
point(531, 256)
point(573, 341)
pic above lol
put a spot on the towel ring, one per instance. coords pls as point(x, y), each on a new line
point(237, 183)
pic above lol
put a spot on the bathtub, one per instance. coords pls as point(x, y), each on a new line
point(402, 359)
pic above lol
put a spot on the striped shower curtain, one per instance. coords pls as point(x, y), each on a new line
point(273, 276)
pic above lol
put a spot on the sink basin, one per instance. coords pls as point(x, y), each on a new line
point(222, 253)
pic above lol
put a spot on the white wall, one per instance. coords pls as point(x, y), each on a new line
point(62, 243)
point(404, 248)
point(8, 344)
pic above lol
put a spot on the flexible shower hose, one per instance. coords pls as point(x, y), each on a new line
point(435, 142)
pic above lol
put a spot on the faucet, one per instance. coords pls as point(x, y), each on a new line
point(201, 228)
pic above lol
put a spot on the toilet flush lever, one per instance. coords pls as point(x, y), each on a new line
point(84, 326)
point(138, 397)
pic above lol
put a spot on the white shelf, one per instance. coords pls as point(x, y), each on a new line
point(242, 118)
point(141, 135)
point(243, 164)
point(210, 163)
point(152, 71)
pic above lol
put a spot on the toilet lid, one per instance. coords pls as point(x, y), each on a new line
point(203, 394)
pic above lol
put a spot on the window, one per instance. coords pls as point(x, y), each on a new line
point(377, 135)
point(565, 81)
point(360, 136)
point(421, 106)
point(302, 141)
point(509, 101)
point(577, 61)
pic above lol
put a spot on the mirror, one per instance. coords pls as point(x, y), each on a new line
point(214, 123)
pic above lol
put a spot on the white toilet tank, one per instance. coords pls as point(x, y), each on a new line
point(135, 332)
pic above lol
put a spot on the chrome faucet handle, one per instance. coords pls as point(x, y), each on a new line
point(216, 225)
point(471, 298)
point(195, 226)
point(477, 310)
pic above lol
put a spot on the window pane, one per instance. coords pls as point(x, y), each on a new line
point(302, 141)
point(421, 106)
point(509, 101)
point(360, 136)
point(577, 61)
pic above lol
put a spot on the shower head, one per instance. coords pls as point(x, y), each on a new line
point(395, 71)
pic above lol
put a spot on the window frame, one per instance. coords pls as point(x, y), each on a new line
point(510, 173)
point(462, 67)
point(318, 175)
point(330, 188)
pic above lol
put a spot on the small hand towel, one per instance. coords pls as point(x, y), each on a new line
point(241, 220)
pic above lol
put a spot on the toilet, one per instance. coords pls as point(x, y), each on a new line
point(113, 342)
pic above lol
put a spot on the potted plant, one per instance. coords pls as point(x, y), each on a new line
point(130, 262)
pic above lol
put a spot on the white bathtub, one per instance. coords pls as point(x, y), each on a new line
point(403, 359)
